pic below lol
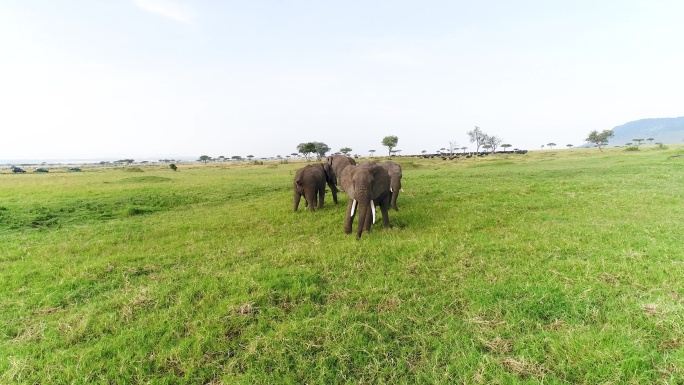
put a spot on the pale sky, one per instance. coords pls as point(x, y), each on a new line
point(147, 79)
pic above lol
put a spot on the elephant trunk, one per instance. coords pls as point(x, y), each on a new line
point(395, 187)
point(366, 212)
point(362, 209)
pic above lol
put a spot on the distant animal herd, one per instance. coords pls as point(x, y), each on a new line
point(19, 170)
point(368, 184)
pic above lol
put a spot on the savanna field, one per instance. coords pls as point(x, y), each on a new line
point(552, 267)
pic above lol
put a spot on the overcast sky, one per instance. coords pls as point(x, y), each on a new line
point(144, 79)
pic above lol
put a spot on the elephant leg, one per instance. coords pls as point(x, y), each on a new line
point(321, 195)
point(310, 196)
point(297, 198)
point(334, 190)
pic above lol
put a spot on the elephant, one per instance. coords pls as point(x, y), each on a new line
point(309, 181)
point(337, 163)
point(394, 171)
point(367, 184)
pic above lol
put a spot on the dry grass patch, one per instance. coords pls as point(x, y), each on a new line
point(497, 345)
point(522, 368)
point(246, 309)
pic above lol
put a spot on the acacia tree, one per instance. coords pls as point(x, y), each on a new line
point(650, 140)
point(505, 146)
point(390, 142)
point(600, 139)
point(493, 142)
point(345, 150)
point(569, 145)
point(371, 152)
point(320, 149)
point(551, 145)
point(477, 136)
point(306, 149)
point(638, 141)
point(204, 158)
point(452, 146)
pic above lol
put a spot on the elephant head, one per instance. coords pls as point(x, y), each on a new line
point(394, 171)
point(368, 185)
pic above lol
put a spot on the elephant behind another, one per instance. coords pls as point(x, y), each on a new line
point(394, 171)
point(337, 163)
point(310, 181)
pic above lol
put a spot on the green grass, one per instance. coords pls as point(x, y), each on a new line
point(552, 267)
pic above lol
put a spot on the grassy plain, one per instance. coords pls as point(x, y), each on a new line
point(556, 267)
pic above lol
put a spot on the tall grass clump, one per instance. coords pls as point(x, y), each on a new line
point(551, 267)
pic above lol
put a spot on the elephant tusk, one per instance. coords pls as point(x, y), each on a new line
point(402, 190)
point(373, 210)
point(391, 190)
point(353, 209)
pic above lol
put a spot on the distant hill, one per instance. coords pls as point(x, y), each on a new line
point(662, 130)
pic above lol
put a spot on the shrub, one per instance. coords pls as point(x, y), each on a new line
point(632, 148)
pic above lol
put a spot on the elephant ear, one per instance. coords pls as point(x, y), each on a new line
point(346, 180)
point(381, 180)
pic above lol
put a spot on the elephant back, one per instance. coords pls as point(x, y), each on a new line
point(338, 163)
point(310, 173)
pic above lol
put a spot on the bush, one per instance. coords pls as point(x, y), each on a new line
point(632, 148)
point(134, 210)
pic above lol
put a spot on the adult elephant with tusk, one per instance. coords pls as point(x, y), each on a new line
point(394, 171)
point(368, 185)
